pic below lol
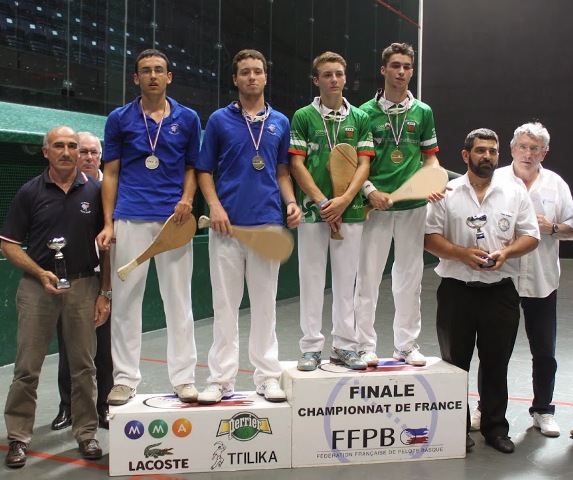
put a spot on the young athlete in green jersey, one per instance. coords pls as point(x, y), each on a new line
point(315, 130)
point(404, 139)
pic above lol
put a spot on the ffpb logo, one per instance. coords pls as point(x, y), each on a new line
point(414, 436)
point(244, 426)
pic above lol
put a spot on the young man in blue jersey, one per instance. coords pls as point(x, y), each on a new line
point(245, 146)
point(150, 148)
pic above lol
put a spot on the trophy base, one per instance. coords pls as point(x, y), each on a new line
point(62, 284)
point(490, 263)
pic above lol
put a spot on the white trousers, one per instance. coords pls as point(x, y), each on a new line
point(314, 243)
point(174, 270)
point(231, 264)
point(407, 228)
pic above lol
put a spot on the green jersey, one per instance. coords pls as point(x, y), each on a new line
point(313, 135)
point(415, 121)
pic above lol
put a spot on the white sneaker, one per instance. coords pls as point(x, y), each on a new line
point(120, 394)
point(214, 393)
point(475, 420)
point(411, 357)
point(308, 362)
point(546, 423)
point(272, 391)
point(370, 358)
point(186, 392)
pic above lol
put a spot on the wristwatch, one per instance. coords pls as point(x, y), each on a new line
point(105, 293)
point(555, 228)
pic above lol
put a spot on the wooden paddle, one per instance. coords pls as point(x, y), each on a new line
point(271, 242)
point(419, 186)
point(170, 236)
point(342, 166)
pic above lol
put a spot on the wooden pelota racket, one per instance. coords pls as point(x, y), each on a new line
point(170, 236)
point(419, 186)
point(342, 166)
point(271, 242)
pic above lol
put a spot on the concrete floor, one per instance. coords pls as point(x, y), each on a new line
point(54, 455)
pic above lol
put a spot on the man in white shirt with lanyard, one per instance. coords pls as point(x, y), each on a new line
point(539, 271)
point(478, 231)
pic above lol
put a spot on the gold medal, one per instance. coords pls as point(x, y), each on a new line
point(397, 156)
point(258, 162)
point(152, 162)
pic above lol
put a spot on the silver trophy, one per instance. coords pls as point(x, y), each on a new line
point(476, 222)
point(59, 262)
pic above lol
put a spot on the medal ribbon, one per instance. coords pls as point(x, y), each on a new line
point(337, 118)
point(154, 143)
point(248, 119)
point(396, 112)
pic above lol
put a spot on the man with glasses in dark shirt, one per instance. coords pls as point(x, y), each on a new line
point(88, 162)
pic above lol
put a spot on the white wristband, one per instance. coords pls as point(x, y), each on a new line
point(368, 188)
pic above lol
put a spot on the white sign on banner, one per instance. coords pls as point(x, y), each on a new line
point(154, 434)
point(391, 413)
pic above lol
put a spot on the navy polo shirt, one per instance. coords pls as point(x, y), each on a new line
point(41, 211)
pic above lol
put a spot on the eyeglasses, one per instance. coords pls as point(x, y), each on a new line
point(93, 153)
point(532, 148)
point(147, 71)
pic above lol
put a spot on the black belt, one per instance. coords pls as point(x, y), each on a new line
point(503, 281)
point(76, 276)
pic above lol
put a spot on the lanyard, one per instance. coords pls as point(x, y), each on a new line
point(396, 113)
point(250, 119)
point(337, 118)
point(153, 143)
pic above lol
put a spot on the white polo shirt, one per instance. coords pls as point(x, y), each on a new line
point(510, 215)
point(551, 197)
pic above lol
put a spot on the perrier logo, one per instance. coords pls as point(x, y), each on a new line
point(244, 426)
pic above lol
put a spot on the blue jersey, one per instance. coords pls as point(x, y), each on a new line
point(249, 196)
point(145, 194)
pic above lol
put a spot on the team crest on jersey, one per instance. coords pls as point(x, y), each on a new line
point(411, 127)
point(387, 126)
point(174, 129)
point(85, 207)
point(503, 224)
point(313, 147)
point(272, 128)
point(349, 132)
